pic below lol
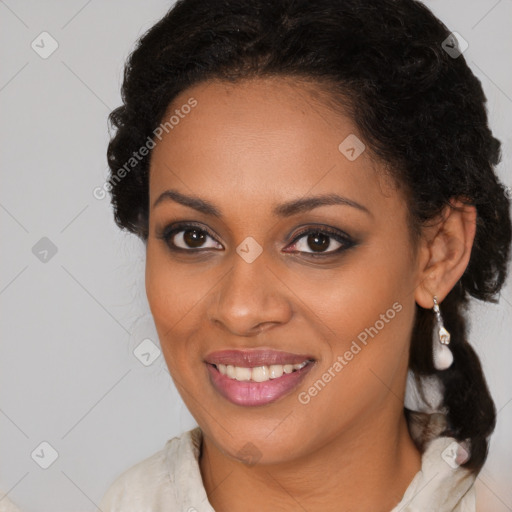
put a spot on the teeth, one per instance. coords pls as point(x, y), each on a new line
point(276, 370)
point(258, 373)
point(230, 371)
point(242, 373)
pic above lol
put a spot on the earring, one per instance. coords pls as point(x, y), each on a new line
point(442, 355)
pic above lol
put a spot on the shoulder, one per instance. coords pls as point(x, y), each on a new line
point(149, 483)
point(442, 485)
point(6, 505)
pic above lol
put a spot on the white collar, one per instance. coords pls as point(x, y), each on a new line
point(439, 486)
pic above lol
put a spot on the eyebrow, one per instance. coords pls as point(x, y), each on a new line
point(287, 209)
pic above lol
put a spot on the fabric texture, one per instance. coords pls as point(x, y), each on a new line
point(6, 505)
point(170, 481)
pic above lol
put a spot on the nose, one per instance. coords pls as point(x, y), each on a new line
point(250, 299)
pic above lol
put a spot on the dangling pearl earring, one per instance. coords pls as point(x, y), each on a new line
point(443, 357)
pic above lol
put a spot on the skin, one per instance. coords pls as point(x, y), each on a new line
point(247, 147)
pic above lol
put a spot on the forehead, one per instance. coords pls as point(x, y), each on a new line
point(260, 141)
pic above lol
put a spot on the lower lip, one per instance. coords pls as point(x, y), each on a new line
point(250, 393)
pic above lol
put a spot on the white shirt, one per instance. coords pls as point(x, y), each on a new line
point(170, 481)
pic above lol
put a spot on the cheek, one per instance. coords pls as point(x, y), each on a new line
point(172, 289)
point(363, 363)
point(174, 296)
point(365, 311)
point(368, 288)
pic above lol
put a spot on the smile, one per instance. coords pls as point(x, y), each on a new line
point(259, 373)
point(256, 377)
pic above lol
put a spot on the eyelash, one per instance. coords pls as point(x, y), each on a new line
point(340, 237)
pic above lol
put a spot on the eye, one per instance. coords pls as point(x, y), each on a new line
point(188, 237)
point(322, 241)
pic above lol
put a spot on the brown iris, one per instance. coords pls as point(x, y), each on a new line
point(320, 239)
point(194, 237)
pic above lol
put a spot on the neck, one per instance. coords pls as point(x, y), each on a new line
point(367, 470)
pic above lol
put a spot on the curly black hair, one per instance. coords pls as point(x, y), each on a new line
point(418, 107)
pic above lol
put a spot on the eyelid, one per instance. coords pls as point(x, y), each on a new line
point(341, 237)
point(345, 240)
point(319, 228)
point(171, 230)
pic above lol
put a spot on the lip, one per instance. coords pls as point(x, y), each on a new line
point(255, 357)
point(249, 393)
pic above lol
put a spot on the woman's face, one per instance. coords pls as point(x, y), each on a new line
point(250, 165)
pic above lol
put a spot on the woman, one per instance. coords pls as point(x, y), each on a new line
point(314, 182)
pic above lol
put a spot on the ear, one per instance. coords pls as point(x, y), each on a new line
point(444, 252)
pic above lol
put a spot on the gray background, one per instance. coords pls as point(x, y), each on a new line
point(70, 323)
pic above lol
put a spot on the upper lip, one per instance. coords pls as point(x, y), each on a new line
point(252, 358)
